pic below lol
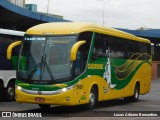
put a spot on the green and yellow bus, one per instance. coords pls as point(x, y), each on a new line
point(73, 63)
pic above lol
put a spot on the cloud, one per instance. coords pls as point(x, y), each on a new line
point(130, 14)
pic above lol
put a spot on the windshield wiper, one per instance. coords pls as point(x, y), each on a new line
point(42, 66)
point(33, 71)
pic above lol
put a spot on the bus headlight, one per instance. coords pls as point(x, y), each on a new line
point(19, 87)
point(64, 89)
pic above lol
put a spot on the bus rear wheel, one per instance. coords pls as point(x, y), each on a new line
point(44, 106)
point(135, 96)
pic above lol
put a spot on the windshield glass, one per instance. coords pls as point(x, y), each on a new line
point(45, 58)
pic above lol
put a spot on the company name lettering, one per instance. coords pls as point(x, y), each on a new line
point(95, 66)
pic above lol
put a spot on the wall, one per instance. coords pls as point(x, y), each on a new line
point(155, 70)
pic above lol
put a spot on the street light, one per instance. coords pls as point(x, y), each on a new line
point(103, 22)
point(48, 7)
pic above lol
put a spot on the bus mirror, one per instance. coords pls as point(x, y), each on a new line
point(74, 49)
point(10, 47)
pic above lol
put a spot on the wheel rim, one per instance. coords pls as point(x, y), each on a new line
point(136, 94)
point(10, 92)
point(92, 99)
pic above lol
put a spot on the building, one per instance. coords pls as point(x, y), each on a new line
point(32, 7)
point(18, 18)
point(20, 3)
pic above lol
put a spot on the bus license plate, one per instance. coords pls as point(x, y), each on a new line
point(39, 99)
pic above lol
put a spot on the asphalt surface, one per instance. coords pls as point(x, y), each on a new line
point(148, 104)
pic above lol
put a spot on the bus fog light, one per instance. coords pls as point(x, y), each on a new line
point(68, 98)
point(19, 87)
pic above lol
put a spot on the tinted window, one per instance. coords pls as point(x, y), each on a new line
point(120, 48)
point(101, 46)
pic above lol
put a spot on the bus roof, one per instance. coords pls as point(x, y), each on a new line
point(58, 28)
point(11, 32)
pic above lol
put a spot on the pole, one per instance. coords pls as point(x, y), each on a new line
point(103, 22)
point(103, 11)
point(48, 7)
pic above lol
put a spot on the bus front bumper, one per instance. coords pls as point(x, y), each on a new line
point(64, 98)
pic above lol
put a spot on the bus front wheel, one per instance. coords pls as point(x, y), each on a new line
point(92, 98)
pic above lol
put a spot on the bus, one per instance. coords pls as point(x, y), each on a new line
point(7, 67)
point(74, 63)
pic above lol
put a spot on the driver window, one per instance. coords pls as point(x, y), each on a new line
point(83, 52)
point(78, 63)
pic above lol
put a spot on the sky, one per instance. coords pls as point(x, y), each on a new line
point(128, 14)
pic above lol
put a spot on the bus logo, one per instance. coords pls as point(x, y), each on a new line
point(39, 93)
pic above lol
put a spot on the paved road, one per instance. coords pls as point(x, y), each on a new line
point(150, 103)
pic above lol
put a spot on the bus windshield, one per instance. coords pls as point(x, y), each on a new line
point(45, 58)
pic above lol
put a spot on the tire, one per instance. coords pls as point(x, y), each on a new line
point(135, 96)
point(1, 93)
point(10, 92)
point(93, 98)
point(44, 106)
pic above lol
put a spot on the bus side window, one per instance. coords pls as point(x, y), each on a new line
point(101, 45)
point(5, 64)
